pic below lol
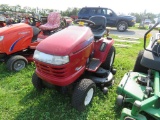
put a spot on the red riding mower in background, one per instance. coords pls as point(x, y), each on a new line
point(2, 21)
point(18, 41)
point(75, 60)
point(2, 24)
point(68, 20)
point(33, 21)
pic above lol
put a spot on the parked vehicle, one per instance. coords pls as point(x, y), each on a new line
point(147, 21)
point(141, 88)
point(113, 20)
point(75, 60)
point(18, 41)
point(68, 20)
point(2, 19)
point(74, 17)
point(155, 21)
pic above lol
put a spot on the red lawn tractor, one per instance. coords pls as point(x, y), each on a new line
point(18, 41)
point(76, 60)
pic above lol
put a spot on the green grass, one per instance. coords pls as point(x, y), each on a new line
point(20, 101)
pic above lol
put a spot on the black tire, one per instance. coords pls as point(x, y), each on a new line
point(122, 26)
point(80, 94)
point(37, 82)
point(138, 67)
point(16, 63)
point(108, 63)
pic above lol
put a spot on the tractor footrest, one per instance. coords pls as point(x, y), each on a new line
point(94, 64)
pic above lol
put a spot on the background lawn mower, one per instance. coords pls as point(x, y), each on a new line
point(75, 60)
point(141, 87)
point(2, 19)
point(18, 41)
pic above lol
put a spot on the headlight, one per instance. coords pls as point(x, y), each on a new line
point(1, 38)
point(51, 59)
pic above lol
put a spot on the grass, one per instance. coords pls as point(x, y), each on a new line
point(20, 101)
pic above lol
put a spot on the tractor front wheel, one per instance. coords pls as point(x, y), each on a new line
point(83, 94)
point(16, 63)
point(37, 82)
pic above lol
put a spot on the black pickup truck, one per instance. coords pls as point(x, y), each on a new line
point(113, 20)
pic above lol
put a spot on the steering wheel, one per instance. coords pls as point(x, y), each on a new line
point(34, 20)
point(89, 22)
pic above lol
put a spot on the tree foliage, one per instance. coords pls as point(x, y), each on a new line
point(69, 12)
point(18, 8)
point(142, 16)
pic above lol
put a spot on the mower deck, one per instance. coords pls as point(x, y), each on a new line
point(134, 91)
point(153, 111)
point(129, 86)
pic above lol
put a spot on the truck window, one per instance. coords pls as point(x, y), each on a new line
point(109, 12)
point(104, 11)
point(93, 11)
point(84, 11)
point(99, 11)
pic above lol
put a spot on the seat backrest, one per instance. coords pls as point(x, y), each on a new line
point(99, 29)
point(54, 18)
point(99, 20)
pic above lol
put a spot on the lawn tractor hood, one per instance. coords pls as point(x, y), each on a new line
point(15, 36)
point(67, 41)
point(14, 28)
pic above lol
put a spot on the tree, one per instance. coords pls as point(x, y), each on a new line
point(139, 16)
point(4, 7)
point(70, 11)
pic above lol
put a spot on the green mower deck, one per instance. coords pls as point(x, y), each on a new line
point(134, 93)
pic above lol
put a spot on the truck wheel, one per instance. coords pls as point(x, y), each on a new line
point(138, 67)
point(37, 82)
point(122, 26)
point(108, 63)
point(83, 94)
point(16, 63)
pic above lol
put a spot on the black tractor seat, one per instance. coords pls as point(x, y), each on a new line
point(99, 29)
point(36, 31)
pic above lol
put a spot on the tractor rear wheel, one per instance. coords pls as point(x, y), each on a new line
point(83, 94)
point(108, 63)
point(16, 63)
point(138, 67)
point(37, 82)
